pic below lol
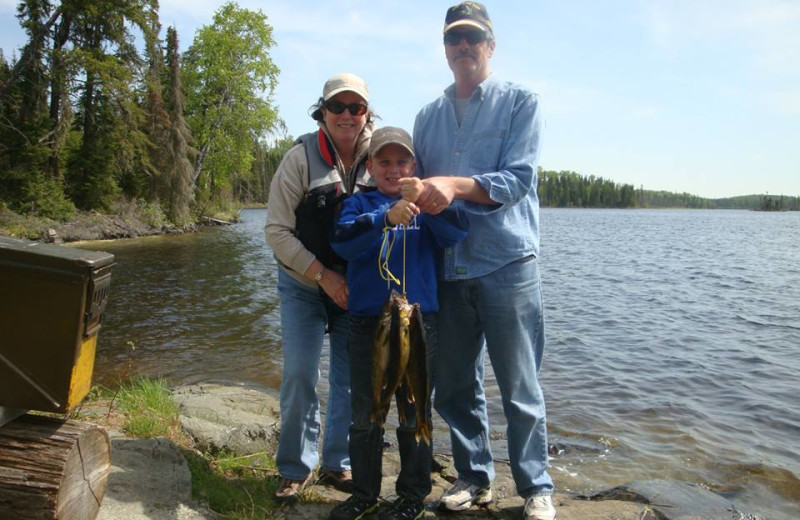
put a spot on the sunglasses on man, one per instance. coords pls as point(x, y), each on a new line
point(337, 107)
point(472, 37)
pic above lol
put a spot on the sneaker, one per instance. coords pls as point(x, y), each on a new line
point(403, 509)
point(463, 494)
point(341, 480)
point(539, 508)
point(289, 489)
point(354, 508)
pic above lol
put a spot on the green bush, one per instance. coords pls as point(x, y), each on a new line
point(44, 197)
point(152, 214)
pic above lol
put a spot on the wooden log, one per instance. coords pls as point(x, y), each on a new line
point(215, 221)
point(52, 469)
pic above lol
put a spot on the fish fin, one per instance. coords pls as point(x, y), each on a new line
point(409, 387)
point(400, 395)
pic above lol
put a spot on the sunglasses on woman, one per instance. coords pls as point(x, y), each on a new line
point(472, 37)
point(337, 107)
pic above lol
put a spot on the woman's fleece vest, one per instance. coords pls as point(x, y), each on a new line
point(319, 210)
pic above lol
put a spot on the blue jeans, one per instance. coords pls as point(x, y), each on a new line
point(500, 313)
point(305, 314)
point(366, 438)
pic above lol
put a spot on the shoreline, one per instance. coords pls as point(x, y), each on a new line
point(131, 221)
point(244, 421)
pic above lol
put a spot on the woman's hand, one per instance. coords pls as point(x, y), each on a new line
point(402, 212)
point(335, 286)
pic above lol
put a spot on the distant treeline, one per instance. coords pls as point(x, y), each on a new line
point(569, 189)
point(564, 189)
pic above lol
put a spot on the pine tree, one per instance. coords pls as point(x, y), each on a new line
point(181, 154)
point(25, 126)
point(113, 149)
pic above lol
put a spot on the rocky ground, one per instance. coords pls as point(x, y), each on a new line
point(150, 478)
point(128, 220)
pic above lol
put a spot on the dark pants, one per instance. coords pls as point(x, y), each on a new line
point(366, 438)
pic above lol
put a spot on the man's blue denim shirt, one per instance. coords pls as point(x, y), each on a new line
point(498, 145)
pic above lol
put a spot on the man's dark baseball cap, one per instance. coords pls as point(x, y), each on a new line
point(470, 14)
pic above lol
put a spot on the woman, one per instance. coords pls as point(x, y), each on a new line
point(316, 174)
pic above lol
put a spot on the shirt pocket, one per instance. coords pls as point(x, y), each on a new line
point(486, 150)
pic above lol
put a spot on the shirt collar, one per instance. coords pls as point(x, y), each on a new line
point(450, 91)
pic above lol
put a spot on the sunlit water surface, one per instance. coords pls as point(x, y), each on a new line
point(673, 340)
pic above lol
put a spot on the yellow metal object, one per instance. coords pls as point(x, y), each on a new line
point(52, 299)
point(81, 380)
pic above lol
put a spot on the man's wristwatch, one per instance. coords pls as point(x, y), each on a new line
point(318, 276)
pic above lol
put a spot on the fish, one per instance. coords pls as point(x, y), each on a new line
point(400, 365)
point(416, 376)
point(380, 356)
point(385, 386)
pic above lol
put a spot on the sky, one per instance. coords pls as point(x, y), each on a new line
point(696, 96)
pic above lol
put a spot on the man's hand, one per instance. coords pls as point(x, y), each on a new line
point(411, 188)
point(401, 212)
point(437, 194)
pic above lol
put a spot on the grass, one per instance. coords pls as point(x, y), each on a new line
point(236, 487)
point(232, 489)
point(148, 408)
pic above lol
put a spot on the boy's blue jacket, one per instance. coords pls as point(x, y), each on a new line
point(358, 238)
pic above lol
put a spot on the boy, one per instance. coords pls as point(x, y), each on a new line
point(359, 238)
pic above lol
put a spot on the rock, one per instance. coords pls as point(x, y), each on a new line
point(149, 480)
point(239, 419)
point(675, 500)
point(51, 237)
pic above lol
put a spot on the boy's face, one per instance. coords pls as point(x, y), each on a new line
point(388, 166)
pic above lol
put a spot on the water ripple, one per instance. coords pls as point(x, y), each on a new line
point(672, 340)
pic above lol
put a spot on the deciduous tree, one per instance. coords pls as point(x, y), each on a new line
point(230, 79)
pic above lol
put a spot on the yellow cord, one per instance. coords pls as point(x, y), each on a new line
point(405, 228)
point(383, 260)
point(383, 263)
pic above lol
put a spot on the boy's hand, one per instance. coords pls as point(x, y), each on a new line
point(401, 212)
point(411, 188)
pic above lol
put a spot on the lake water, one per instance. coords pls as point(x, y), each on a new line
point(673, 340)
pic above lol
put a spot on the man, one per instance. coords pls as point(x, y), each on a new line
point(479, 144)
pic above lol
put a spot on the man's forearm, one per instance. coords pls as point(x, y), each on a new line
point(440, 191)
point(466, 188)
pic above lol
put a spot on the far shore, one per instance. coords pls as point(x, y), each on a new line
point(87, 226)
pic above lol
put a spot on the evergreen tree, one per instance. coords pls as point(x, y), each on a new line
point(25, 126)
point(112, 146)
point(180, 153)
point(267, 158)
point(157, 121)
